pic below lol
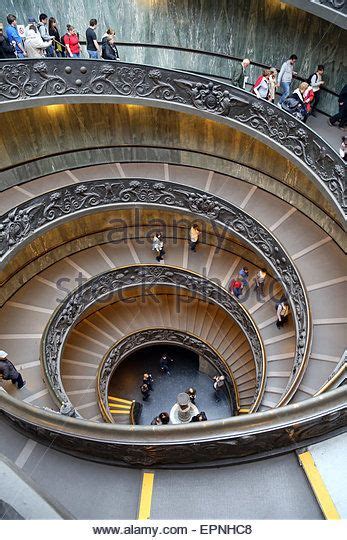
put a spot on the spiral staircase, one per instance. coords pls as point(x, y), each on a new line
point(57, 260)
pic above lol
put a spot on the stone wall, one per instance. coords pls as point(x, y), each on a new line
point(267, 31)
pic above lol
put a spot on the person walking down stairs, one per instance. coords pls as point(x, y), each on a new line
point(260, 281)
point(158, 246)
point(282, 311)
point(8, 372)
point(194, 234)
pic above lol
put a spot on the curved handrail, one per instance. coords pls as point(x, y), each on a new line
point(52, 80)
point(336, 377)
point(76, 304)
point(134, 341)
point(212, 54)
point(237, 438)
point(32, 218)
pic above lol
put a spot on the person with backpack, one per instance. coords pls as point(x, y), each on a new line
point(244, 275)
point(72, 42)
point(262, 85)
point(285, 77)
point(7, 50)
point(236, 287)
point(282, 311)
point(316, 82)
point(35, 46)
point(13, 36)
point(308, 96)
point(8, 372)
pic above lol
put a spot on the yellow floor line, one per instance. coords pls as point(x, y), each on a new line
point(146, 496)
point(318, 486)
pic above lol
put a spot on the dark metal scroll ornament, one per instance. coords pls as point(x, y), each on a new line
point(334, 4)
point(118, 353)
point(232, 440)
point(92, 292)
point(30, 218)
point(59, 77)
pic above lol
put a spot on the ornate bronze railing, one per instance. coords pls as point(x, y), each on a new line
point(334, 11)
point(32, 218)
point(231, 440)
point(108, 284)
point(141, 338)
point(33, 83)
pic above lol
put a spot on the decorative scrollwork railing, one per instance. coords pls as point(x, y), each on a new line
point(235, 439)
point(334, 11)
point(92, 292)
point(23, 223)
point(137, 340)
point(57, 80)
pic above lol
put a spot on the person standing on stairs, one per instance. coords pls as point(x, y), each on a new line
point(285, 77)
point(236, 287)
point(260, 281)
point(194, 234)
point(316, 82)
point(282, 311)
point(341, 116)
point(8, 372)
point(158, 246)
point(239, 76)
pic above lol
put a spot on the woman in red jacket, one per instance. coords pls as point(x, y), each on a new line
point(72, 42)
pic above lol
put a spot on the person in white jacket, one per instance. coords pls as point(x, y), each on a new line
point(34, 44)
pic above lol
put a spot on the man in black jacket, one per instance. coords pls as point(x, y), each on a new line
point(341, 116)
point(109, 49)
point(239, 76)
point(8, 372)
point(6, 49)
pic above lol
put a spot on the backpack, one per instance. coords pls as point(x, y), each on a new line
point(258, 81)
point(308, 80)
